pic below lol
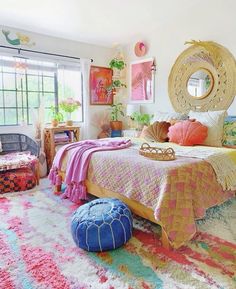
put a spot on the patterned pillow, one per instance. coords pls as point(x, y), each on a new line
point(229, 137)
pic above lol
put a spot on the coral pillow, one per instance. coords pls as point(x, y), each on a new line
point(188, 133)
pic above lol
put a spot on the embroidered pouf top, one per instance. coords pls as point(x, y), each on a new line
point(101, 225)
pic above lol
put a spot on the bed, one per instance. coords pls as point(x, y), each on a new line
point(172, 194)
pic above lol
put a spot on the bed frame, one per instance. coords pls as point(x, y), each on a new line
point(136, 207)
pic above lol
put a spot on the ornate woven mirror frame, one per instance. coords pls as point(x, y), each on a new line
point(220, 64)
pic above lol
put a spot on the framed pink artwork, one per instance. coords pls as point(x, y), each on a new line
point(101, 85)
point(142, 81)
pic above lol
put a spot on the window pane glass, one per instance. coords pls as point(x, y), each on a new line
point(69, 85)
point(9, 81)
point(48, 73)
point(21, 99)
point(77, 115)
point(10, 69)
point(22, 115)
point(33, 99)
point(1, 117)
point(10, 116)
point(10, 98)
point(48, 116)
point(22, 88)
point(49, 99)
point(48, 84)
point(1, 98)
point(21, 82)
point(1, 80)
point(33, 82)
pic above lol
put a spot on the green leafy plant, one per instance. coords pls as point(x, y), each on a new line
point(142, 118)
point(69, 105)
point(117, 84)
point(116, 110)
point(117, 63)
point(56, 115)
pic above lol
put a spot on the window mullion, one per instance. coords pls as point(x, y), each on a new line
point(27, 95)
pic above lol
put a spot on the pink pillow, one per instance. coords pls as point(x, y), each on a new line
point(187, 133)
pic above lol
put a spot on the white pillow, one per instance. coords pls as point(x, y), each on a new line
point(214, 120)
point(0, 147)
point(167, 116)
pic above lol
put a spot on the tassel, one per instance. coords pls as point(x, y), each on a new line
point(68, 190)
point(83, 192)
point(58, 180)
point(51, 173)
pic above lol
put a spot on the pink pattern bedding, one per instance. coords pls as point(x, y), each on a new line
point(178, 191)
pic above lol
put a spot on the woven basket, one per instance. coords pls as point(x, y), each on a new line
point(155, 153)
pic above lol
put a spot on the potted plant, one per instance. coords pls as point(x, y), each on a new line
point(142, 119)
point(117, 65)
point(116, 111)
point(56, 116)
point(69, 105)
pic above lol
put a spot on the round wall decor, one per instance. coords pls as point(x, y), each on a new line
point(140, 49)
point(203, 78)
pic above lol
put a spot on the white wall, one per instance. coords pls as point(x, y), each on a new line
point(176, 23)
point(100, 55)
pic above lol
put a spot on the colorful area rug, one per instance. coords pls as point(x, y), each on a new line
point(37, 251)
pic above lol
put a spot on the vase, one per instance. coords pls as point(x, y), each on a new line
point(69, 122)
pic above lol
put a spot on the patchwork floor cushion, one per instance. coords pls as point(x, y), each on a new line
point(101, 225)
point(17, 180)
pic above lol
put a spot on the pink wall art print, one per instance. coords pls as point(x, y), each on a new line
point(142, 81)
point(101, 85)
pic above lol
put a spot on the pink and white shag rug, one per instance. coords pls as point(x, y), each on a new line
point(37, 251)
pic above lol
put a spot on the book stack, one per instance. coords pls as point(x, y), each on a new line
point(61, 137)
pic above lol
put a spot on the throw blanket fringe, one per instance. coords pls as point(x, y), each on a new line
point(77, 167)
point(225, 169)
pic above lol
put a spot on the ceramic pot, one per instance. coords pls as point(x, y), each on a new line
point(116, 125)
point(54, 123)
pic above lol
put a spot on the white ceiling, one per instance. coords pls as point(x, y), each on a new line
point(102, 22)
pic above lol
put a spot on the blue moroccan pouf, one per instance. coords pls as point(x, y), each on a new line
point(101, 225)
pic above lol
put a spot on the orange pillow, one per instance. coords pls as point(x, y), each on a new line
point(156, 132)
point(188, 133)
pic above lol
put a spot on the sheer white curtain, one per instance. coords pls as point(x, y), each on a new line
point(85, 69)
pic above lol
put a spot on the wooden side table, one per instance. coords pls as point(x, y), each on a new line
point(49, 140)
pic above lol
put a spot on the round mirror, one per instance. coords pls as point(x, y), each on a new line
point(200, 83)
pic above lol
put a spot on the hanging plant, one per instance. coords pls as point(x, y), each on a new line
point(117, 63)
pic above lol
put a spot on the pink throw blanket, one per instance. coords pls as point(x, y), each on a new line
point(77, 167)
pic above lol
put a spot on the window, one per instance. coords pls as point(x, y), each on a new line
point(24, 84)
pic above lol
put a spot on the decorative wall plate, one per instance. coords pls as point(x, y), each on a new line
point(140, 49)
